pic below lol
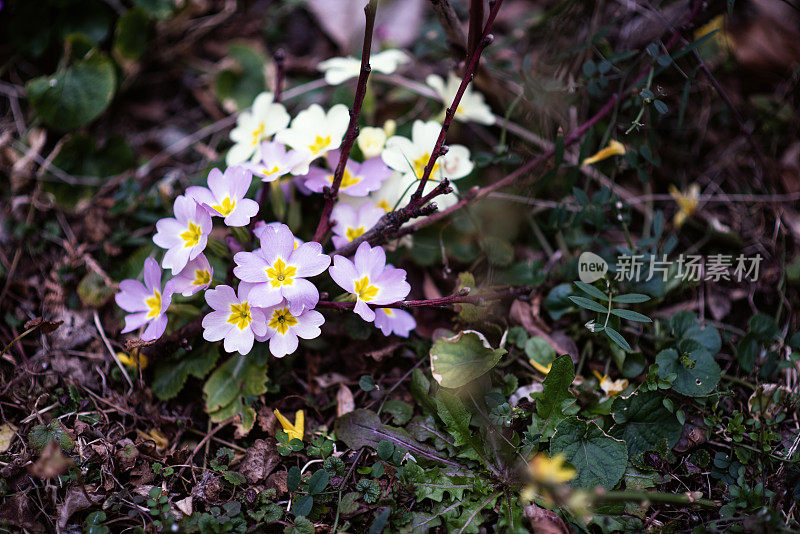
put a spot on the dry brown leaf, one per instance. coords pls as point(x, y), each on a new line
point(544, 521)
point(259, 461)
point(344, 401)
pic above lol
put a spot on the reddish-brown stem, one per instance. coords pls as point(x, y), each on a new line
point(352, 128)
point(390, 223)
point(458, 298)
point(475, 26)
point(469, 72)
point(572, 138)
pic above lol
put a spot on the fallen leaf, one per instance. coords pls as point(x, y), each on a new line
point(7, 433)
point(545, 521)
point(344, 401)
point(51, 462)
point(185, 505)
point(259, 461)
point(75, 501)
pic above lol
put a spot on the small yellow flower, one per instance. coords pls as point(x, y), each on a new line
point(611, 387)
point(293, 430)
point(541, 368)
point(614, 148)
point(129, 360)
point(722, 38)
point(687, 202)
point(551, 469)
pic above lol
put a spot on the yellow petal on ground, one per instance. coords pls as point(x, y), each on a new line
point(129, 360)
point(614, 148)
point(294, 431)
point(7, 433)
point(161, 441)
point(541, 368)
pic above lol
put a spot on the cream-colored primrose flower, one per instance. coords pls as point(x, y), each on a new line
point(372, 140)
point(314, 132)
point(610, 387)
point(295, 431)
point(340, 69)
point(614, 148)
point(472, 107)
point(410, 156)
point(255, 125)
point(687, 202)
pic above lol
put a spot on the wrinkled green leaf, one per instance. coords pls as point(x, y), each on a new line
point(599, 459)
point(458, 360)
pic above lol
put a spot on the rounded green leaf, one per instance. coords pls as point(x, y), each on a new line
point(460, 359)
point(697, 374)
point(75, 96)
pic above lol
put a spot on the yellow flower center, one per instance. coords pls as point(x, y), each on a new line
point(385, 205)
point(201, 277)
point(226, 207)
point(240, 315)
point(353, 233)
point(281, 274)
point(154, 305)
point(419, 165)
point(348, 179)
point(388, 312)
point(258, 132)
point(281, 320)
point(319, 144)
point(270, 172)
point(191, 236)
point(364, 290)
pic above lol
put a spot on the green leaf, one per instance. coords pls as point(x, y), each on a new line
point(171, 374)
point(363, 428)
point(239, 376)
point(41, 435)
point(385, 450)
point(458, 360)
point(617, 338)
point(697, 373)
point(75, 96)
point(401, 411)
point(132, 34)
point(555, 390)
point(589, 304)
point(591, 290)
point(599, 459)
point(632, 316)
point(456, 418)
point(631, 298)
point(160, 9)
point(302, 506)
point(243, 83)
point(318, 481)
point(644, 423)
point(747, 352)
point(293, 478)
point(539, 350)
point(93, 290)
point(557, 302)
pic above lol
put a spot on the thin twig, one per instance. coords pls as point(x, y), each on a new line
point(441, 302)
point(571, 139)
point(352, 127)
point(475, 56)
point(113, 354)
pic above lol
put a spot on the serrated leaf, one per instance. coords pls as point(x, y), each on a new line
point(171, 375)
point(589, 304)
point(644, 423)
point(555, 390)
point(599, 458)
point(458, 360)
point(238, 376)
point(75, 96)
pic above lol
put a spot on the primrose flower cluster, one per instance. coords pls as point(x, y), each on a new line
point(270, 293)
